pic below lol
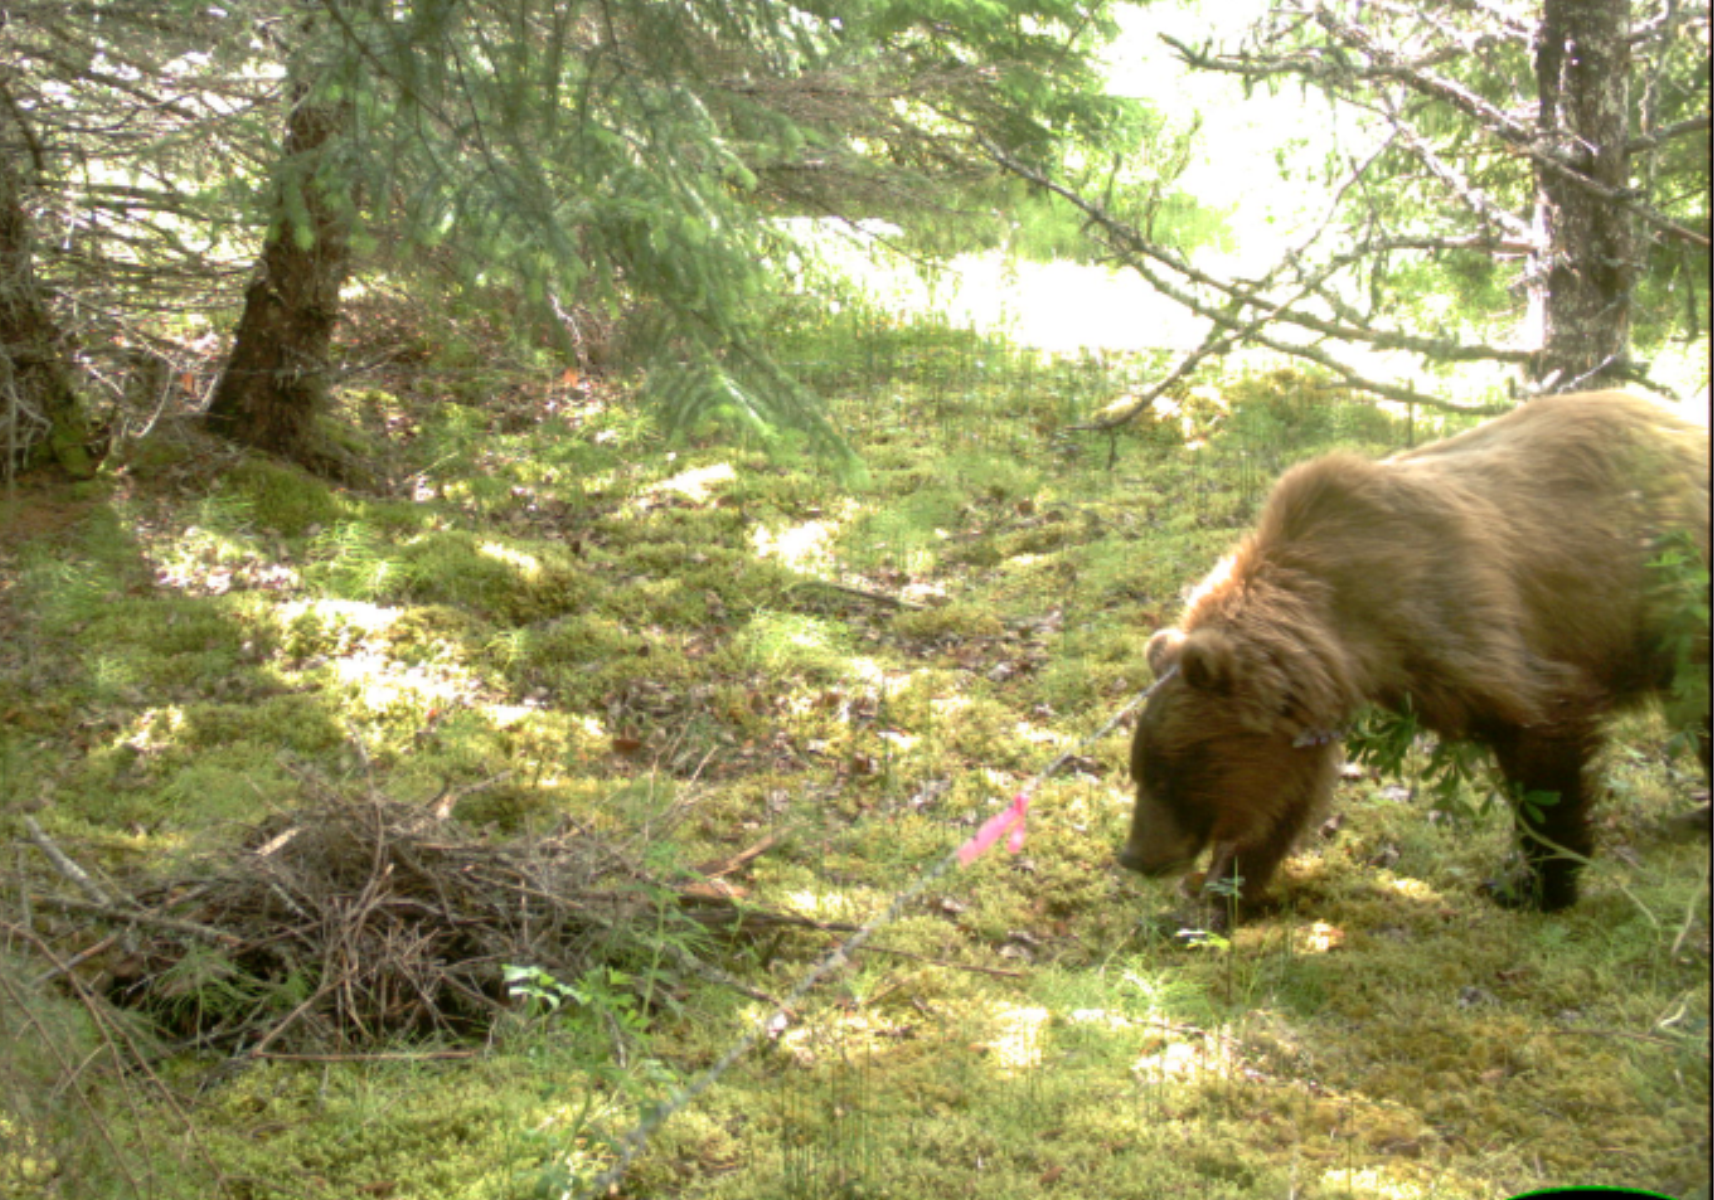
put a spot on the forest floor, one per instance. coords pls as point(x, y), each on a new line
point(653, 727)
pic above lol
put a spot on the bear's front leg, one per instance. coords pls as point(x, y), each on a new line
point(1236, 885)
point(1548, 775)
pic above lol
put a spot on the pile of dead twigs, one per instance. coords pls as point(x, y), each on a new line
point(355, 921)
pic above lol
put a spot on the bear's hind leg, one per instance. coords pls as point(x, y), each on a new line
point(1552, 789)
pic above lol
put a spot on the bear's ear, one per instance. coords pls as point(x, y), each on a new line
point(1162, 651)
point(1208, 660)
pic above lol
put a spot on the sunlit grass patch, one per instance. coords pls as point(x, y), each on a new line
point(435, 633)
point(400, 1123)
point(806, 546)
point(510, 580)
point(909, 534)
point(789, 644)
point(951, 621)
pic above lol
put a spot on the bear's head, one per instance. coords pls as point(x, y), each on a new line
point(1225, 754)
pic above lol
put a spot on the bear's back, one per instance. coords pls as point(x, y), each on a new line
point(1596, 444)
point(1488, 573)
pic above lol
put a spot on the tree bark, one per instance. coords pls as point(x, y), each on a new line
point(41, 411)
point(1584, 281)
point(275, 380)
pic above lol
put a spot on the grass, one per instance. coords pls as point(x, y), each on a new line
point(648, 638)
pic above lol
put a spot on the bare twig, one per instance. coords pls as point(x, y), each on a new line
point(139, 916)
point(863, 594)
point(63, 863)
point(1142, 257)
point(1386, 65)
point(377, 1056)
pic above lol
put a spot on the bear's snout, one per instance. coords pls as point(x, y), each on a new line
point(1134, 859)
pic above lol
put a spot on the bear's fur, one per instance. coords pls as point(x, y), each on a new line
point(1497, 581)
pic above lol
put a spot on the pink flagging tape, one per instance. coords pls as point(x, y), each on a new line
point(1009, 821)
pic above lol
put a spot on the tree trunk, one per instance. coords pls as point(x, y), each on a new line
point(1583, 63)
point(275, 380)
point(41, 411)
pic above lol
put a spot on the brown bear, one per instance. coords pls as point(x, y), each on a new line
point(1498, 582)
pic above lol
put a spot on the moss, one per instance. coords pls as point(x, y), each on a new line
point(1049, 537)
point(393, 518)
point(283, 498)
point(507, 580)
point(507, 808)
point(789, 644)
point(346, 439)
point(328, 627)
point(300, 724)
point(584, 641)
point(435, 633)
point(402, 1124)
point(164, 450)
point(948, 621)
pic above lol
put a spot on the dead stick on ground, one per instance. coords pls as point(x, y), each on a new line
point(1696, 904)
point(1612, 1033)
point(686, 959)
point(63, 864)
point(380, 1056)
point(75, 961)
point(864, 593)
point(726, 866)
point(285, 1022)
point(139, 916)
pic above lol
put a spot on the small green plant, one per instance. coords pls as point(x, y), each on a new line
point(1225, 892)
point(608, 1024)
point(540, 992)
point(600, 994)
point(349, 559)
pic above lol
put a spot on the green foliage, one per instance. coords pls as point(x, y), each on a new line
point(1456, 773)
point(653, 189)
point(591, 167)
point(603, 995)
point(1405, 213)
point(205, 988)
point(351, 560)
point(1680, 597)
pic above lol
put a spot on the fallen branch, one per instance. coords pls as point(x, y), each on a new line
point(63, 863)
point(739, 861)
point(864, 594)
point(138, 916)
point(376, 1056)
